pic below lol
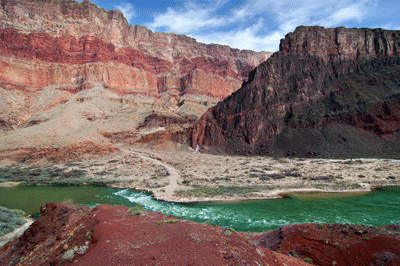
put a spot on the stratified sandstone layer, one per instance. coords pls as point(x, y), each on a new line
point(74, 73)
point(61, 39)
point(327, 92)
point(69, 234)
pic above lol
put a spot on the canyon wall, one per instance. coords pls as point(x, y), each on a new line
point(318, 78)
point(67, 34)
point(75, 75)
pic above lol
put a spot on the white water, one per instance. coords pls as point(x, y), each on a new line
point(373, 209)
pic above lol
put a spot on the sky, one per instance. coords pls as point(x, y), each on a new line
point(254, 24)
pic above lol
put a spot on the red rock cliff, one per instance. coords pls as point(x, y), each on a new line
point(68, 39)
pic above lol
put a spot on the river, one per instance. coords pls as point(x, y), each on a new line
point(377, 208)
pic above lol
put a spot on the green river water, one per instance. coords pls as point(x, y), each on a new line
point(377, 208)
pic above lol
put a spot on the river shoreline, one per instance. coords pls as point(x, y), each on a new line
point(187, 177)
point(248, 215)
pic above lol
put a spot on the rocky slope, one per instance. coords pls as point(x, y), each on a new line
point(69, 234)
point(83, 74)
point(327, 92)
point(336, 244)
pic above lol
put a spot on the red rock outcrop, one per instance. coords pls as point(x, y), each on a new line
point(68, 234)
point(319, 77)
point(335, 244)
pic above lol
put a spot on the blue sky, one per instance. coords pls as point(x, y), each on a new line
point(254, 24)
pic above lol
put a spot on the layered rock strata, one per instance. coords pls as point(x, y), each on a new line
point(73, 73)
point(322, 82)
point(72, 43)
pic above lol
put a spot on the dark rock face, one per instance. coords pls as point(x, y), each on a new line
point(319, 77)
point(335, 244)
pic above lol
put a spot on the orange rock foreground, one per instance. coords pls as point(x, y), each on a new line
point(69, 234)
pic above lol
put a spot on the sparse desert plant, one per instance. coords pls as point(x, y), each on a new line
point(69, 255)
point(136, 210)
point(10, 219)
point(170, 221)
point(308, 260)
point(200, 191)
point(228, 232)
point(232, 230)
point(82, 249)
point(384, 257)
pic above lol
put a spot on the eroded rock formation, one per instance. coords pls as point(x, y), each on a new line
point(69, 43)
point(346, 79)
point(61, 57)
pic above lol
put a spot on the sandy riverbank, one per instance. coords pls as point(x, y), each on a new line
point(183, 176)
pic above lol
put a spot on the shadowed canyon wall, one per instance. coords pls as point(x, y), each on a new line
point(338, 81)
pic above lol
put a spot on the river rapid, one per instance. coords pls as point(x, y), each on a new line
point(379, 207)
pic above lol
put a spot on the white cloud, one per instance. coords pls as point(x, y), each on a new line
point(343, 15)
point(388, 26)
point(245, 27)
point(189, 19)
point(247, 38)
point(127, 9)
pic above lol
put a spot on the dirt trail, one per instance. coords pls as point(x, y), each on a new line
point(167, 192)
point(16, 233)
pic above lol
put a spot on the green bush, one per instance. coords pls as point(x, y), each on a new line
point(200, 191)
point(308, 260)
point(136, 210)
point(170, 221)
point(10, 219)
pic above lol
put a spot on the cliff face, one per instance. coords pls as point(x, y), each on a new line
point(72, 72)
point(318, 78)
point(68, 33)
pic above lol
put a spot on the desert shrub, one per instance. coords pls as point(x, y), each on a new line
point(54, 175)
point(170, 221)
point(69, 255)
point(136, 210)
point(308, 260)
point(10, 219)
point(200, 191)
point(385, 257)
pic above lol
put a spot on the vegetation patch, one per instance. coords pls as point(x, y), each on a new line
point(170, 221)
point(10, 219)
point(51, 175)
point(200, 191)
point(136, 210)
